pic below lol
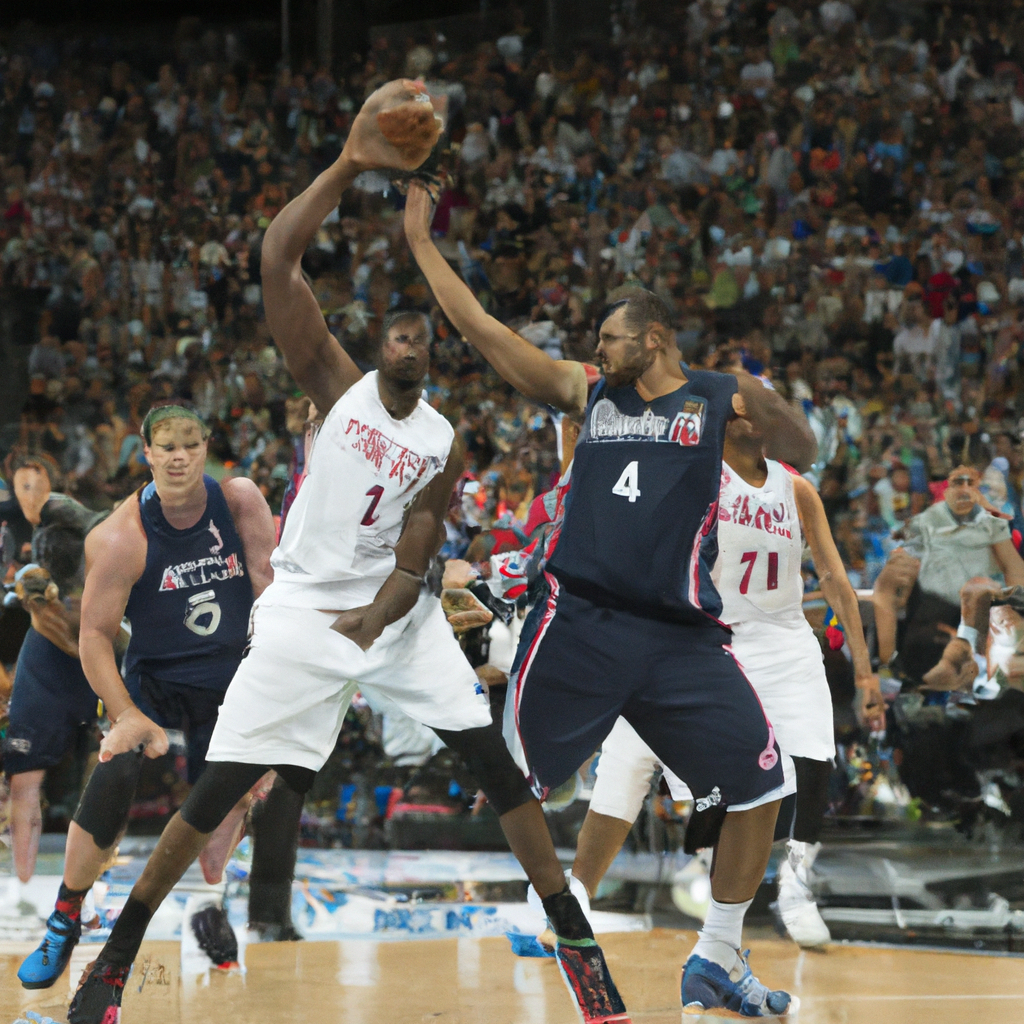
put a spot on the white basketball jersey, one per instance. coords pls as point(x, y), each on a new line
point(759, 549)
point(363, 471)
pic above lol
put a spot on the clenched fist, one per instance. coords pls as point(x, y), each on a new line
point(396, 128)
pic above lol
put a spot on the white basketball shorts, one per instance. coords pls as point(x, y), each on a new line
point(785, 667)
point(286, 702)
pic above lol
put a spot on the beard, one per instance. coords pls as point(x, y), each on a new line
point(631, 369)
point(403, 376)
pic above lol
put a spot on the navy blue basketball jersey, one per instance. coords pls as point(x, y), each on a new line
point(189, 611)
point(641, 516)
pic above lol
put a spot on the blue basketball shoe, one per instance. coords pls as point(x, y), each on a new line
point(707, 988)
point(46, 964)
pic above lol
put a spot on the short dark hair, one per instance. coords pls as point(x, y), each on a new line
point(21, 459)
point(60, 550)
point(396, 316)
point(643, 308)
point(968, 450)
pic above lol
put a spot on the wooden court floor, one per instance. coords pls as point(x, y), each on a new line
point(478, 981)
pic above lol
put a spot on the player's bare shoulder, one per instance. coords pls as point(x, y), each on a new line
point(117, 546)
point(806, 495)
point(243, 496)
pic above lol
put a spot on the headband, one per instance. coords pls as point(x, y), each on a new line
point(168, 412)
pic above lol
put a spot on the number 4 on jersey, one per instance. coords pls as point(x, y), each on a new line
point(628, 485)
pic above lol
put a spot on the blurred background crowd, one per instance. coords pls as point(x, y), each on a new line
point(830, 195)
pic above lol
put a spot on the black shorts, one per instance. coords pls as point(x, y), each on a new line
point(191, 709)
point(580, 665)
point(51, 703)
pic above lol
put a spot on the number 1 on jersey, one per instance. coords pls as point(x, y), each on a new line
point(628, 485)
point(375, 492)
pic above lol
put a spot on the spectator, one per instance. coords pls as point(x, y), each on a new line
point(949, 544)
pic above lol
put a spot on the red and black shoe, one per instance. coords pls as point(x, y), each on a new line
point(582, 966)
point(98, 999)
point(215, 936)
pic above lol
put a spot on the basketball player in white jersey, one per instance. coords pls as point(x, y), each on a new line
point(348, 609)
point(765, 513)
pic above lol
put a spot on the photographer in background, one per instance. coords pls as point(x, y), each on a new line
point(51, 703)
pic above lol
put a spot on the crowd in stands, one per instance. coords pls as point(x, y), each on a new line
point(830, 195)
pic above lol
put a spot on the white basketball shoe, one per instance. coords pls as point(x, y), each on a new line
point(796, 903)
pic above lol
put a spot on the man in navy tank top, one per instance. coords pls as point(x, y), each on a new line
point(182, 559)
point(631, 623)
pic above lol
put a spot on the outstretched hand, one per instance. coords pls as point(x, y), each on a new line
point(419, 213)
point(396, 128)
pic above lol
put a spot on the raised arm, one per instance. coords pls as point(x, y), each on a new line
point(255, 525)
point(835, 585)
point(533, 373)
point(421, 539)
point(787, 433)
point(115, 558)
point(400, 112)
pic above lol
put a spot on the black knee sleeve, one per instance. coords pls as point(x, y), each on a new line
point(299, 780)
point(275, 830)
point(103, 809)
point(489, 761)
point(220, 787)
point(811, 798)
point(784, 822)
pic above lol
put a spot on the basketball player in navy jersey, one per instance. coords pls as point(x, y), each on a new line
point(631, 626)
point(182, 559)
point(347, 608)
point(766, 513)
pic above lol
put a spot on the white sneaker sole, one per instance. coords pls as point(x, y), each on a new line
point(718, 1012)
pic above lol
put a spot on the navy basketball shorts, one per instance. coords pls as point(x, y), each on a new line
point(190, 709)
point(51, 702)
point(581, 665)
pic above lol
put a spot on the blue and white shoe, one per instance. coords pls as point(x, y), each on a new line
point(706, 988)
point(46, 964)
point(528, 945)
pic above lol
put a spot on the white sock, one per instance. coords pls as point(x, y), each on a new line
point(14, 889)
point(720, 938)
point(89, 911)
point(801, 858)
point(579, 890)
point(213, 893)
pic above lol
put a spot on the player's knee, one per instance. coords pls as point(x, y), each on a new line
point(488, 759)
point(26, 786)
point(220, 787)
point(103, 810)
point(622, 785)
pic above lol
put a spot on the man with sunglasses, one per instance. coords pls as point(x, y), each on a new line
point(956, 540)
